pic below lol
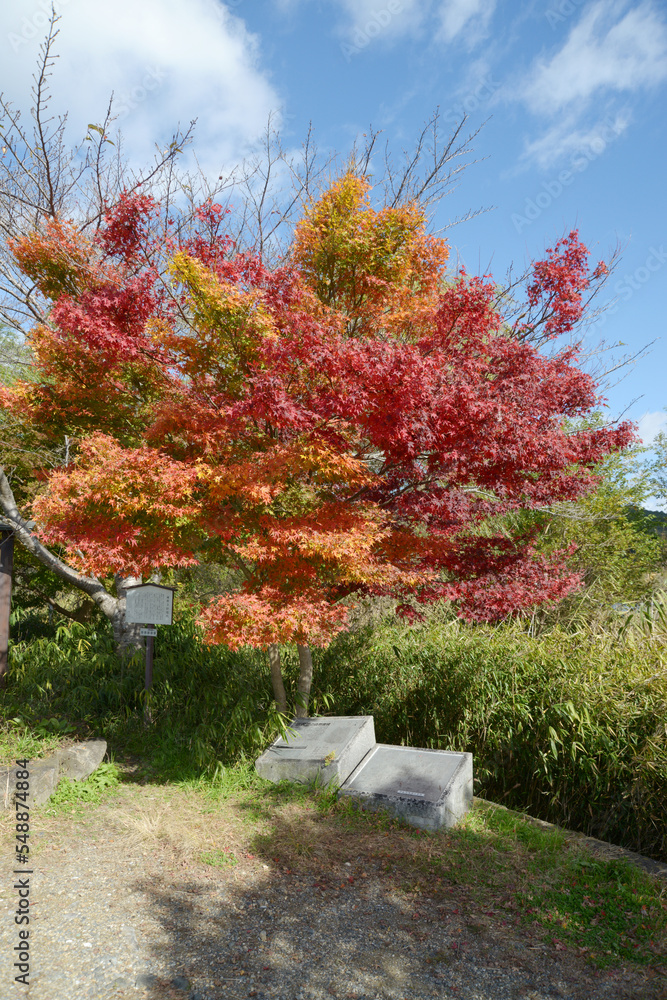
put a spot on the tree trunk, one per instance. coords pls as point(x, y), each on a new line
point(82, 614)
point(277, 678)
point(305, 680)
point(127, 636)
point(6, 567)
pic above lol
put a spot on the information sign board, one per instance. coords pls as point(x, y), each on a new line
point(149, 604)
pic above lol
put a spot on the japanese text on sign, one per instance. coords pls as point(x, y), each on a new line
point(149, 605)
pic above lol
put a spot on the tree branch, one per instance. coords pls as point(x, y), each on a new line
point(88, 584)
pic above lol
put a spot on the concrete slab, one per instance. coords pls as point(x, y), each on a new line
point(323, 750)
point(426, 788)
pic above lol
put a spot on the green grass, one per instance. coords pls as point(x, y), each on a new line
point(218, 859)
point(607, 909)
point(19, 739)
point(75, 797)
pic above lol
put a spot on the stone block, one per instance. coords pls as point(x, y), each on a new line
point(77, 762)
point(324, 750)
point(427, 788)
point(43, 780)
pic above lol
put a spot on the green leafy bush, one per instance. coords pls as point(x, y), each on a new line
point(208, 705)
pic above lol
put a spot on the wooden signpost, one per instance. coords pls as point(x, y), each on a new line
point(149, 604)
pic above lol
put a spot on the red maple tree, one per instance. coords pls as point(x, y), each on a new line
point(352, 422)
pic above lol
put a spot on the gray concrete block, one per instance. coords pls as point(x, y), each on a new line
point(77, 762)
point(324, 750)
point(426, 788)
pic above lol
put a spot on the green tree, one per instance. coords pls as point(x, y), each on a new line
point(616, 547)
point(657, 469)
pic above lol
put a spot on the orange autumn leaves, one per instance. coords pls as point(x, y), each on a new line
point(121, 509)
point(57, 258)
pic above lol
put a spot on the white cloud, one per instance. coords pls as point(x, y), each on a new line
point(610, 55)
point(167, 62)
point(469, 16)
point(365, 21)
point(568, 138)
point(369, 21)
point(380, 18)
point(602, 52)
point(651, 424)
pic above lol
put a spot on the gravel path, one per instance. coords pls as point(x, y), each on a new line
point(111, 920)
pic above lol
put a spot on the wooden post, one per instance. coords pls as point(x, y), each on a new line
point(145, 602)
point(6, 569)
point(148, 684)
point(149, 660)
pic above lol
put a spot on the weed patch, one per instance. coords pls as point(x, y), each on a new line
point(72, 796)
point(608, 911)
point(19, 740)
point(218, 858)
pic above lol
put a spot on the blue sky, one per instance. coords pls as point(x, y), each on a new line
point(572, 95)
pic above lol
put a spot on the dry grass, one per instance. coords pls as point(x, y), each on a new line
point(167, 817)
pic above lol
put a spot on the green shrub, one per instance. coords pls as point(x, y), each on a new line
point(208, 705)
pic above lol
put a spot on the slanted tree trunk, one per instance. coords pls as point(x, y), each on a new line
point(305, 681)
point(277, 678)
point(82, 614)
point(126, 636)
point(6, 569)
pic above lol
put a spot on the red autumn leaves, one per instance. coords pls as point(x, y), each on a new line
point(351, 422)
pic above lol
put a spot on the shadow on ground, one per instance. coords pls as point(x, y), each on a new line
point(324, 902)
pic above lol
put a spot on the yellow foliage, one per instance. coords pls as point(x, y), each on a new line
point(379, 268)
point(227, 324)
